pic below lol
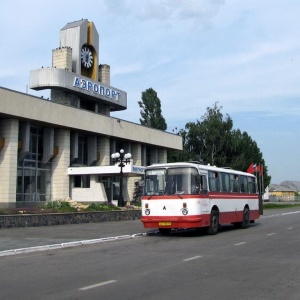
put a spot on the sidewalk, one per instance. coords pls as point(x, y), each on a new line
point(20, 238)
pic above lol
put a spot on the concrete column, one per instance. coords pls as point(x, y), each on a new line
point(136, 151)
point(62, 58)
point(9, 129)
point(104, 77)
point(60, 97)
point(103, 148)
point(104, 74)
point(103, 109)
point(130, 188)
point(162, 156)
point(60, 164)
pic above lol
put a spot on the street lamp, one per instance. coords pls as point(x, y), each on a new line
point(122, 159)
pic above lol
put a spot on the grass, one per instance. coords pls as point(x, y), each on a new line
point(58, 206)
point(278, 206)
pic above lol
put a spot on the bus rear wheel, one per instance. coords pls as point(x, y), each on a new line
point(214, 223)
point(246, 218)
point(245, 221)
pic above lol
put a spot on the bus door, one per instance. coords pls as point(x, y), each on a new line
point(204, 201)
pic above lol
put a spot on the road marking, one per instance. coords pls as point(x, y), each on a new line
point(290, 228)
point(97, 285)
point(191, 258)
point(272, 233)
point(69, 244)
point(238, 244)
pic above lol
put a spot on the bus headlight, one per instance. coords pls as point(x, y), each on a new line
point(147, 211)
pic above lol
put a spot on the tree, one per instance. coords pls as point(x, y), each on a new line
point(208, 140)
point(151, 114)
point(214, 141)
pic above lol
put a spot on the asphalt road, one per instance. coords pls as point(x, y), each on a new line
point(261, 262)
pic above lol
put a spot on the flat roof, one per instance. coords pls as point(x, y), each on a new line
point(23, 106)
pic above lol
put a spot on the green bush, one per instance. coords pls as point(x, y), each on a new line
point(59, 206)
point(101, 207)
point(138, 203)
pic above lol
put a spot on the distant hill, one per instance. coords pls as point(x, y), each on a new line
point(294, 185)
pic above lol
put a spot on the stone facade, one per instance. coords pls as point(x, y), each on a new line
point(60, 164)
point(9, 129)
point(14, 221)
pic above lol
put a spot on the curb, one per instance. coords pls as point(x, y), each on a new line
point(68, 244)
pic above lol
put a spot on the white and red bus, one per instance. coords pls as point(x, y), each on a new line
point(191, 195)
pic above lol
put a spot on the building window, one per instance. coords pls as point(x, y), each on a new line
point(87, 105)
point(34, 176)
point(82, 181)
point(82, 150)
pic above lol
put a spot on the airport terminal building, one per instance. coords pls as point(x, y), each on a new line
point(60, 148)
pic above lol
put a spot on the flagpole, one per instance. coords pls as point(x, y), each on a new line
point(261, 212)
point(262, 177)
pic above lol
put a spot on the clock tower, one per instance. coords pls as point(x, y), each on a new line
point(82, 37)
point(76, 78)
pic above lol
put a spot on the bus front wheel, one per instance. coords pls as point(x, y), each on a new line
point(214, 223)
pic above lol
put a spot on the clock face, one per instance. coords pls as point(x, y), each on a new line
point(86, 57)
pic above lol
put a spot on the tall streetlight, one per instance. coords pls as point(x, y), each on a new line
point(122, 159)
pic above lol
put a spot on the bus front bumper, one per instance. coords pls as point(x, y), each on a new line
point(176, 222)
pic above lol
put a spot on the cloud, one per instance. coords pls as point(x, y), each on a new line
point(127, 69)
point(258, 52)
point(167, 11)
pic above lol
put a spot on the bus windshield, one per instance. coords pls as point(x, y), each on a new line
point(171, 181)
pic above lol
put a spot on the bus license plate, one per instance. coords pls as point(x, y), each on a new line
point(165, 224)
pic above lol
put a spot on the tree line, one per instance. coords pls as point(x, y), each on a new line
point(210, 140)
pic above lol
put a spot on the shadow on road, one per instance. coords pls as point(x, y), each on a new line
point(195, 232)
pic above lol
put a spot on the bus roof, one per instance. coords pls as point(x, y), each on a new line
point(199, 166)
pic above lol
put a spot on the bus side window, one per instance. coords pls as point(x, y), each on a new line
point(251, 185)
point(214, 182)
point(195, 184)
point(234, 182)
point(225, 182)
point(244, 184)
point(203, 184)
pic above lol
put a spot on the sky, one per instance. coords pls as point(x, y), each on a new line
point(245, 55)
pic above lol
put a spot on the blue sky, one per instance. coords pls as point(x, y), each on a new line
point(245, 55)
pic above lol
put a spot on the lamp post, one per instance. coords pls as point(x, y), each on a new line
point(122, 160)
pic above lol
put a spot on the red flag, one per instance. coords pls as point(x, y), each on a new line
point(253, 168)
